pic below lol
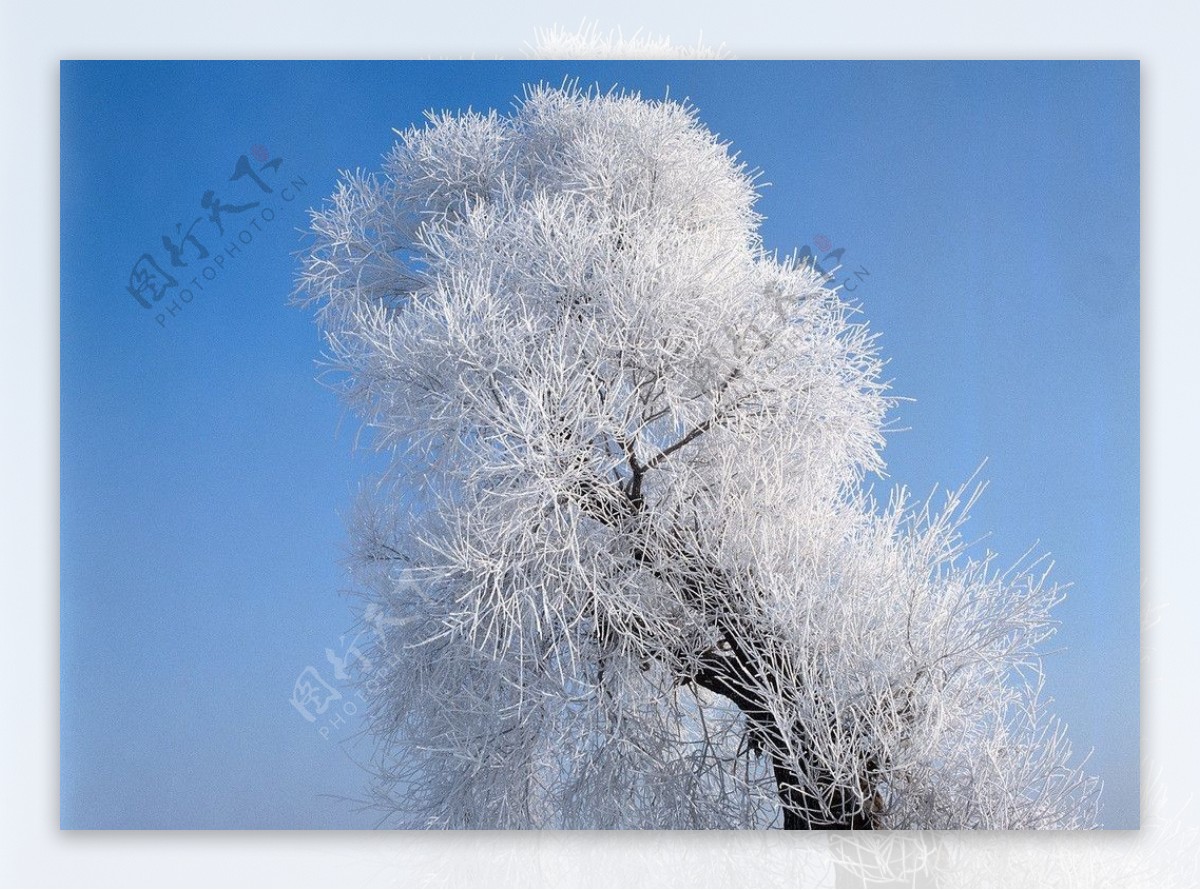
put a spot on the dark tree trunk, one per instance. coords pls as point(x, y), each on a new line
point(728, 674)
point(736, 671)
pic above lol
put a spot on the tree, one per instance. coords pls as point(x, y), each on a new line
point(630, 573)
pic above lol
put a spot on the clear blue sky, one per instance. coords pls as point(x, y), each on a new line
point(994, 206)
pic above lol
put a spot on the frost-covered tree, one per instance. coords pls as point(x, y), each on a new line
point(622, 564)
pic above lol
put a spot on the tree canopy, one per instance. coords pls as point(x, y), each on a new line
point(628, 568)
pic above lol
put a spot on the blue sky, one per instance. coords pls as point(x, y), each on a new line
point(991, 207)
